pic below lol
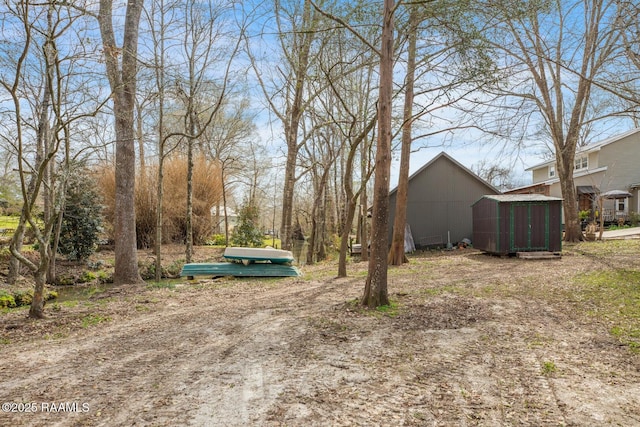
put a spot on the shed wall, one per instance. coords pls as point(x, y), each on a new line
point(510, 227)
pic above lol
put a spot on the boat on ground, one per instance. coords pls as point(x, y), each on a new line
point(219, 269)
point(256, 255)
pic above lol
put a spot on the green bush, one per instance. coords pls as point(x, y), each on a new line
point(82, 219)
point(21, 297)
point(6, 300)
point(87, 276)
point(247, 233)
point(217, 240)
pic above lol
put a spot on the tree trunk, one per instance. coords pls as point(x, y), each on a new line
point(344, 239)
point(286, 229)
point(123, 87)
point(159, 218)
point(375, 291)
point(316, 242)
point(189, 248)
point(294, 113)
point(36, 311)
point(396, 254)
point(352, 197)
point(159, 51)
point(363, 231)
point(565, 165)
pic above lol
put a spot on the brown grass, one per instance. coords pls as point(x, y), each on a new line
point(207, 193)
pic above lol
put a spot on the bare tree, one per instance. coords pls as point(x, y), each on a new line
point(41, 27)
point(396, 253)
point(375, 291)
point(296, 35)
point(228, 142)
point(550, 56)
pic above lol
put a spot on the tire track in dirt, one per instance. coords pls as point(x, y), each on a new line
point(173, 363)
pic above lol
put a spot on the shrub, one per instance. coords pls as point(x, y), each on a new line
point(86, 277)
point(217, 240)
point(23, 297)
point(247, 233)
point(82, 218)
point(6, 300)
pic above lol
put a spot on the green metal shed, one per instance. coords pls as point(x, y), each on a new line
point(511, 223)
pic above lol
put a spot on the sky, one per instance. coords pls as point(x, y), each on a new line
point(469, 156)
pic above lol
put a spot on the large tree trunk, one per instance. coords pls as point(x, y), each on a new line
point(565, 165)
point(123, 88)
point(396, 254)
point(375, 291)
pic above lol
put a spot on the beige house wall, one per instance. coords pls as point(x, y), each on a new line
point(614, 166)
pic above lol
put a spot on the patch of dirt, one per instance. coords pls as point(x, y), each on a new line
point(467, 344)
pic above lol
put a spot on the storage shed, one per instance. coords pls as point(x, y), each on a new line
point(439, 201)
point(511, 223)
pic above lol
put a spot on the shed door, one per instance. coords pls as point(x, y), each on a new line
point(529, 227)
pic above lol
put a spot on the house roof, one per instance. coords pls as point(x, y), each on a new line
point(590, 148)
point(521, 198)
point(455, 162)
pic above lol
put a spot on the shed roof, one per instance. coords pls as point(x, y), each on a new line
point(521, 198)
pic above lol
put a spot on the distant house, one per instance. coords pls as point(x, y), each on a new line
point(439, 201)
point(217, 215)
point(610, 167)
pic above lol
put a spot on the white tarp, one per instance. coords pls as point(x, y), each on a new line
point(409, 245)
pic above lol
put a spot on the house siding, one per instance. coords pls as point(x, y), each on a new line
point(439, 201)
point(541, 174)
point(623, 163)
point(613, 165)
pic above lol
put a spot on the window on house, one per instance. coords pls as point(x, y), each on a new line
point(581, 162)
point(621, 205)
point(552, 171)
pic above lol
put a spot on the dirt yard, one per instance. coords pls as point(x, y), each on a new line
point(470, 340)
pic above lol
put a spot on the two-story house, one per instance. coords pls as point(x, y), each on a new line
point(608, 170)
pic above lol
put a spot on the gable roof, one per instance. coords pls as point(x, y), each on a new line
point(590, 148)
point(456, 163)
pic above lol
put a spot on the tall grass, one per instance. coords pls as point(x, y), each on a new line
point(207, 193)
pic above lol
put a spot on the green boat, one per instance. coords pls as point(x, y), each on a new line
point(219, 269)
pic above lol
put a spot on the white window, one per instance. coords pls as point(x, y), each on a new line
point(582, 162)
point(552, 171)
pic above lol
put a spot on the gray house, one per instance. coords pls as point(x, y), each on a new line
point(439, 201)
point(607, 169)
